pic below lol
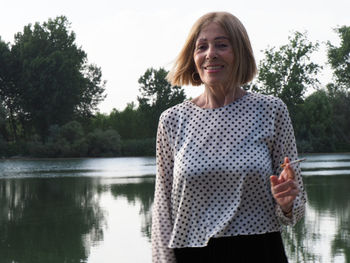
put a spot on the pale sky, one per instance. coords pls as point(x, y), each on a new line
point(125, 38)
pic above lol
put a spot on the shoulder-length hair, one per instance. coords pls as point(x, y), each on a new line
point(244, 68)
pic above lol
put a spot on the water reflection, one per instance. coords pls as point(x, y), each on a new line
point(129, 202)
point(84, 210)
point(49, 220)
point(141, 192)
point(324, 234)
point(68, 219)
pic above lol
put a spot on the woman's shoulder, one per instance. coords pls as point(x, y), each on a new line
point(268, 100)
point(176, 111)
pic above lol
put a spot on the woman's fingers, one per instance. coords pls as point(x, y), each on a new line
point(289, 193)
point(288, 171)
point(286, 160)
point(290, 174)
point(288, 188)
point(274, 180)
point(285, 185)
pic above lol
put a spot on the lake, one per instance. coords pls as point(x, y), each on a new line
point(99, 210)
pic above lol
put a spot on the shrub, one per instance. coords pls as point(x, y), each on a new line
point(3, 146)
point(103, 143)
point(71, 131)
point(139, 147)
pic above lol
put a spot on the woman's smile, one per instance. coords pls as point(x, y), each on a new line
point(213, 68)
point(213, 56)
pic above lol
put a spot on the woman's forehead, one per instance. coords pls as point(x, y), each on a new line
point(212, 31)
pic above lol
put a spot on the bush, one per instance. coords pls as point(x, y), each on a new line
point(103, 143)
point(38, 149)
point(19, 148)
point(304, 146)
point(3, 146)
point(71, 131)
point(139, 147)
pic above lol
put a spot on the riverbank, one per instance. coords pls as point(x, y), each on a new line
point(84, 148)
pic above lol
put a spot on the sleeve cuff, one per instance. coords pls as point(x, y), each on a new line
point(283, 218)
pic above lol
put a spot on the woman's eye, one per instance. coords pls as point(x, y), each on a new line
point(222, 45)
point(201, 47)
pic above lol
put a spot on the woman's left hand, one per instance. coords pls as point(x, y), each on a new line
point(284, 188)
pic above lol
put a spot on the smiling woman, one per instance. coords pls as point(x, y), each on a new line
point(213, 56)
point(244, 68)
point(217, 198)
point(216, 53)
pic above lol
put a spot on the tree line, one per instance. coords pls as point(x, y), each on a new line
point(49, 95)
point(320, 119)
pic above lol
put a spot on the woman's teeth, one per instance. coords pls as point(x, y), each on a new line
point(213, 67)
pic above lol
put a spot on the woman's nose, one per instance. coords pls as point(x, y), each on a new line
point(211, 53)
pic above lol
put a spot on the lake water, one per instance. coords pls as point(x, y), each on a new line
point(99, 210)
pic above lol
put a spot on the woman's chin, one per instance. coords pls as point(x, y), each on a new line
point(215, 82)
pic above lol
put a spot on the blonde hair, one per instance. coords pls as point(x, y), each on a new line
point(244, 68)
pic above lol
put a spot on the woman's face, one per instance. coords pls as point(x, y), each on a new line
point(213, 55)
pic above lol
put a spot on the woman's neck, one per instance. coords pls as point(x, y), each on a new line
point(218, 97)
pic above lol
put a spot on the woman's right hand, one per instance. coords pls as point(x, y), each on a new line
point(284, 188)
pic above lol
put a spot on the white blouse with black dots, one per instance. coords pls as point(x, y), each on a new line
point(213, 169)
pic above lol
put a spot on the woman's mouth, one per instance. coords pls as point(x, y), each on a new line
point(213, 68)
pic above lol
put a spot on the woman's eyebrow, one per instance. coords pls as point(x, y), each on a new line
point(221, 37)
point(217, 38)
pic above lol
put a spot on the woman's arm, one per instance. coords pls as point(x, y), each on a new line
point(161, 214)
point(287, 189)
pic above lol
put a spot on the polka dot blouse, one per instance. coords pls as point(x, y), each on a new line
point(213, 170)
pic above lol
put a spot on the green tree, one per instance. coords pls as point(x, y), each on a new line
point(340, 101)
point(287, 72)
point(157, 95)
point(72, 131)
point(8, 93)
point(55, 82)
point(339, 59)
point(128, 122)
point(314, 124)
point(125, 122)
point(98, 121)
point(3, 129)
point(104, 143)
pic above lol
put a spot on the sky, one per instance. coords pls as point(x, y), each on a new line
point(127, 37)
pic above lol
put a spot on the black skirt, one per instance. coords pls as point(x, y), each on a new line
point(237, 249)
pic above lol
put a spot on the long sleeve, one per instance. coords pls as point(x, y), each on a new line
point(285, 145)
point(161, 214)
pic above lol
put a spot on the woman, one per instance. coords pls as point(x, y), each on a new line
point(217, 196)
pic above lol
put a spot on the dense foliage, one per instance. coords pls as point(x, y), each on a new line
point(287, 72)
point(49, 96)
point(46, 79)
point(157, 95)
point(319, 119)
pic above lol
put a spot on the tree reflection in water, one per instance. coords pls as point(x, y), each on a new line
point(328, 199)
point(324, 234)
point(61, 219)
point(141, 192)
point(49, 219)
